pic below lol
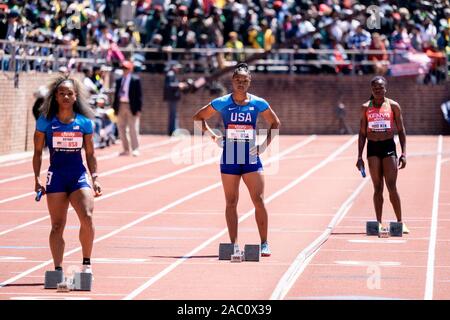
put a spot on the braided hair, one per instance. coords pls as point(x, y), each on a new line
point(241, 68)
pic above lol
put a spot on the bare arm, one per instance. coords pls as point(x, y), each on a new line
point(274, 124)
point(92, 162)
point(39, 138)
point(362, 138)
point(200, 118)
point(401, 133)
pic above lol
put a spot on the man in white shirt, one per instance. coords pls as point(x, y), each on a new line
point(127, 106)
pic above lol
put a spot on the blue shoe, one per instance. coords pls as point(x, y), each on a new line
point(265, 250)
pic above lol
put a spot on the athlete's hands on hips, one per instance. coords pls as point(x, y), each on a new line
point(218, 140)
point(257, 149)
point(402, 161)
point(97, 189)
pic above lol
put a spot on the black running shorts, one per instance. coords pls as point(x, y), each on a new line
point(381, 149)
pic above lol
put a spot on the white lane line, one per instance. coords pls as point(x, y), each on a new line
point(368, 263)
point(16, 158)
point(378, 241)
point(50, 298)
point(134, 165)
point(29, 155)
point(120, 191)
point(9, 258)
point(157, 212)
point(161, 274)
point(303, 259)
point(434, 221)
point(107, 173)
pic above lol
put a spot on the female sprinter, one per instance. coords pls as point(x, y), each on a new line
point(240, 157)
point(378, 117)
point(65, 126)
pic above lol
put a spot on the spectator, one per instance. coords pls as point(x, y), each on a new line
point(127, 106)
point(360, 40)
point(172, 94)
point(87, 81)
point(381, 61)
point(234, 43)
point(445, 108)
point(155, 43)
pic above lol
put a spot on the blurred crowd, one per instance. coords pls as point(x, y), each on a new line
point(109, 27)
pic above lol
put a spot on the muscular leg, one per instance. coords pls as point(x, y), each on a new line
point(82, 201)
point(255, 184)
point(376, 173)
point(57, 203)
point(230, 184)
point(390, 171)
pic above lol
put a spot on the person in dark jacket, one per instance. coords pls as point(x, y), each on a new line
point(127, 106)
point(172, 94)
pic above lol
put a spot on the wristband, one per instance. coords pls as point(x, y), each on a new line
point(94, 176)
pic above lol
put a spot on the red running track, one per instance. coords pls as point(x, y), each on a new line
point(159, 224)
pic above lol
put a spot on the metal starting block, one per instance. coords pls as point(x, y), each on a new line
point(252, 252)
point(229, 251)
point(396, 229)
point(52, 278)
point(225, 251)
point(82, 281)
point(372, 228)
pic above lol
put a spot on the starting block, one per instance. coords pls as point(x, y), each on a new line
point(252, 252)
point(82, 281)
point(372, 228)
point(52, 278)
point(225, 251)
point(396, 229)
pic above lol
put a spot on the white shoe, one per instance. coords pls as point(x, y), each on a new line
point(265, 250)
point(135, 153)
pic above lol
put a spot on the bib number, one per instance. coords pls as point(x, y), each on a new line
point(67, 141)
point(379, 125)
point(240, 132)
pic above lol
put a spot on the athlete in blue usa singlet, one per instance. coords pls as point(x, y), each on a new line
point(66, 127)
point(65, 142)
point(240, 133)
point(240, 157)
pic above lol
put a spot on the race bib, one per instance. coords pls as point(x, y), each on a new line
point(379, 125)
point(240, 132)
point(67, 141)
